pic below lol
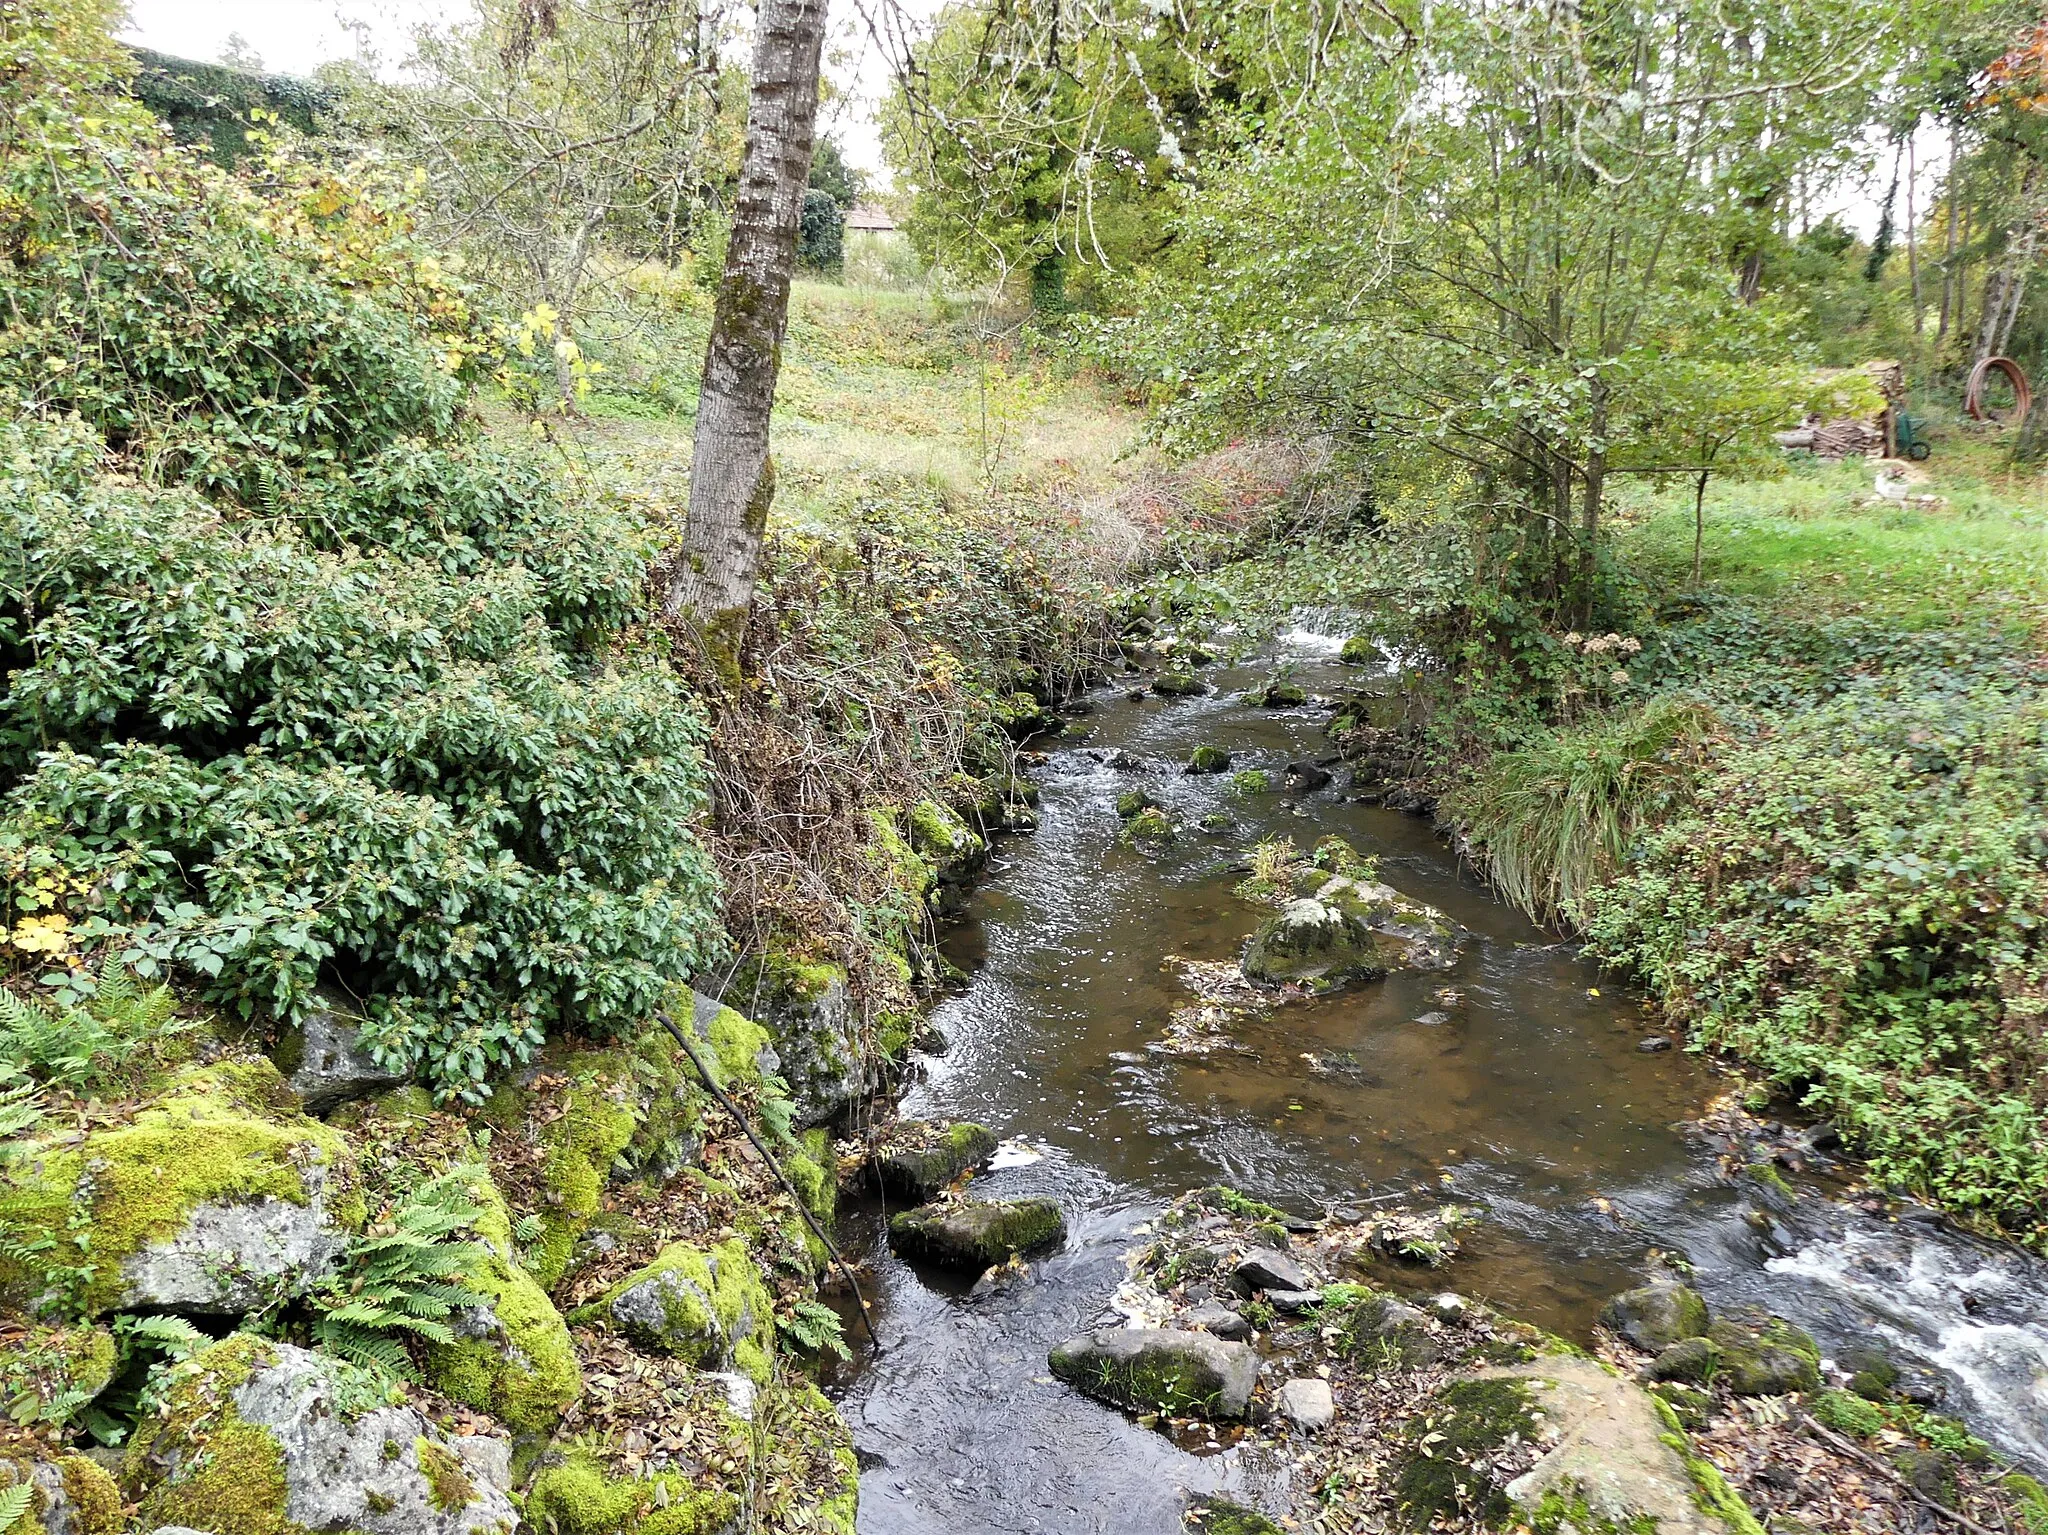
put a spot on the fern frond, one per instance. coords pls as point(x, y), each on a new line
point(14, 1504)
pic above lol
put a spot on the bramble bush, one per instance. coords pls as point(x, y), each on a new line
point(1857, 900)
point(306, 682)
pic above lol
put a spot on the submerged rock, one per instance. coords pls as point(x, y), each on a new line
point(259, 1436)
point(974, 1235)
point(916, 1160)
point(1148, 1369)
point(1177, 682)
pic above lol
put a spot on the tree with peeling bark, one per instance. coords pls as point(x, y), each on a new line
point(732, 478)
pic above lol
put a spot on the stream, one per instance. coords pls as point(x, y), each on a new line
point(1524, 1095)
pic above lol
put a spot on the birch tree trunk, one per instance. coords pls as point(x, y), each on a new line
point(732, 480)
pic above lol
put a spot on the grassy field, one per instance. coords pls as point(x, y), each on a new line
point(1970, 544)
point(880, 391)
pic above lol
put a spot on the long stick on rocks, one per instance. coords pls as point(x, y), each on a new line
point(1836, 1441)
point(775, 1167)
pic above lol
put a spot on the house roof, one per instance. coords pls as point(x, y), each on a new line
point(867, 216)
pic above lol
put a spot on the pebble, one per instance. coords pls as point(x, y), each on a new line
point(1434, 1019)
point(1654, 1043)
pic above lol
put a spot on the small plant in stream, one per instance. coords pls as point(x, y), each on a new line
point(1271, 877)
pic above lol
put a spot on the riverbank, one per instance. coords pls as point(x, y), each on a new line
point(1797, 801)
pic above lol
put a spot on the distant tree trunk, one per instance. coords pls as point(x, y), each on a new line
point(1948, 253)
point(732, 480)
point(1913, 240)
point(1596, 485)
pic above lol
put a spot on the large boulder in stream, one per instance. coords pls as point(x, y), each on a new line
point(1149, 1369)
point(1349, 930)
point(1656, 1316)
point(975, 1235)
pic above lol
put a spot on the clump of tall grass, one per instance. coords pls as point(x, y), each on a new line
point(1554, 818)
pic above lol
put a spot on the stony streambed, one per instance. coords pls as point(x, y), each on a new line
point(1099, 1036)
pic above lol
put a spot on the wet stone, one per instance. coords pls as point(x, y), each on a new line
point(1212, 1316)
point(1654, 1044)
point(1293, 1300)
point(976, 1234)
point(1689, 1359)
point(916, 1160)
point(1656, 1315)
point(1148, 1369)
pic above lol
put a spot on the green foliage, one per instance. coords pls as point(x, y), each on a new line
point(1557, 817)
point(813, 1327)
point(85, 1046)
point(1853, 902)
point(305, 681)
point(821, 233)
point(402, 1278)
point(14, 1502)
point(214, 105)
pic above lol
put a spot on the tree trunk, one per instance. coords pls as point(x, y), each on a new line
point(1913, 239)
point(732, 480)
point(1699, 523)
point(1596, 484)
point(1948, 253)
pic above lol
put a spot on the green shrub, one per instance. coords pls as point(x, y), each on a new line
point(1854, 902)
point(304, 681)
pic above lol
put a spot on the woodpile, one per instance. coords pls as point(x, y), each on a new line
point(1855, 436)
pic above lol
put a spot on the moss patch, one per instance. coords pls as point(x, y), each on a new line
point(224, 1134)
point(1437, 1474)
point(577, 1497)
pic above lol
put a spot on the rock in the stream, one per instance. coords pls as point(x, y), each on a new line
point(1279, 693)
point(1654, 1044)
point(1349, 930)
point(948, 842)
point(1657, 1315)
point(263, 1436)
point(1689, 1359)
point(1765, 1357)
point(915, 1160)
point(1267, 1268)
point(324, 1059)
point(1306, 777)
point(1148, 1369)
point(1209, 759)
point(1306, 1403)
point(974, 1235)
point(1177, 683)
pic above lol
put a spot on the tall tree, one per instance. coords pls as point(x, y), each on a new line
point(732, 478)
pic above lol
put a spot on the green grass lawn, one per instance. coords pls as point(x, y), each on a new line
point(1818, 542)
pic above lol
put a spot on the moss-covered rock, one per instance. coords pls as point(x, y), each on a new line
point(1134, 801)
point(72, 1496)
point(1379, 1331)
point(1148, 830)
point(1359, 650)
point(209, 1197)
point(1177, 682)
point(914, 1161)
point(806, 1004)
point(708, 1305)
point(52, 1364)
point(512, 1356)
point(1656, 1315)
point(1280, 693)
point(1222, 1516)
point(1763, 1356)
point(1348, 930)
point(1251, 781)
point(945, 841)
point(974, 1235)
point(578, 1496)
point(1209, 759)
point(1146, 1369)
point(262, 1438)
point(1689, 1359)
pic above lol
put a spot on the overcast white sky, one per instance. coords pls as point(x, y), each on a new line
point(297, 36)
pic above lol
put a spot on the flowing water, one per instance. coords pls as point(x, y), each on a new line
point(1525, 1094)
